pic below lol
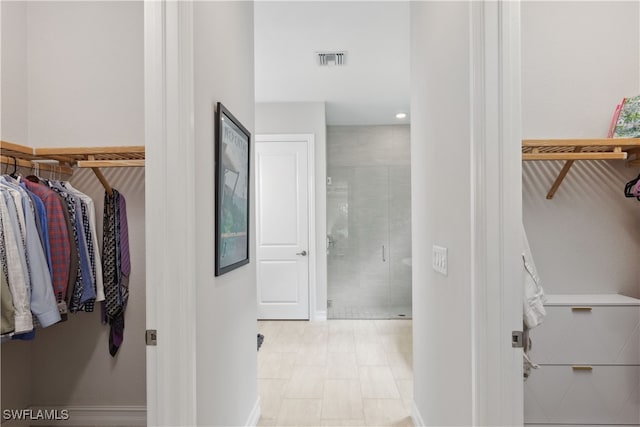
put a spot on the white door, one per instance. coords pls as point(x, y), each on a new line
point(282, 227)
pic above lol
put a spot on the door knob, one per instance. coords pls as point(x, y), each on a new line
point(303, 253)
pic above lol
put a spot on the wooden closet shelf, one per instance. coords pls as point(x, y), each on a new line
point(55, 168)
point(91, 157)
point(571, 150)
point(66, 157)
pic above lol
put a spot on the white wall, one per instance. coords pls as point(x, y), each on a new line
point(79, 348)
point(226, 308)
point(82, 78)
point(579, 59)
point(440, 149)
point(85, 71)
point(14, 71)
point(305, 117)
point(15, 357)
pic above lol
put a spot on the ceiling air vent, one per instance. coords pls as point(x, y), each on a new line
point(331, 58)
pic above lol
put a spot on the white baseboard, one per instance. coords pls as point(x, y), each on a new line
point(320, 316)
point(254, 416)
point(416, 416)
point(84, 416)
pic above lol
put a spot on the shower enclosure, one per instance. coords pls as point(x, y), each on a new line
point(368, 224)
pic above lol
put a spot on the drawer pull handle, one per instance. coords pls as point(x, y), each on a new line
point(582, 368)
point(581, 308)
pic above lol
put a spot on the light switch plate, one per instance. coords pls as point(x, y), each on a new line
point(440, 261)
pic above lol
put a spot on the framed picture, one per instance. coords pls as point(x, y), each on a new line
point(232, 191)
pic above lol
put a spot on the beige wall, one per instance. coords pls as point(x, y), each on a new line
point(579, 59)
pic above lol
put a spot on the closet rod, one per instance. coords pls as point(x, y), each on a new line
point(110, 163)
point(65, 170)
point(575, 156)
point(586, 142)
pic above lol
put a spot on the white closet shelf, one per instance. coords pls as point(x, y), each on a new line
point(571, 150)
point(590, 300)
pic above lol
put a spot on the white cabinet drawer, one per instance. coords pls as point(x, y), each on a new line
point(608, 335)
point(602, 395)
point(590, 425)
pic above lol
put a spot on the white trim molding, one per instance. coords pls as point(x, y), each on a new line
point(416, 416)
point(319, 316)
point(254, 416)
point(170, 223)
point(496, 200)
point(130, 415)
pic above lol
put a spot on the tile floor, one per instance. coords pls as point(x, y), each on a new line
point(336, 373)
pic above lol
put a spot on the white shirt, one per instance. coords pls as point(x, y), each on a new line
point(534, 298)
point(17, 272)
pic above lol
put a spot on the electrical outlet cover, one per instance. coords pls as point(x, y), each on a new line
point(440, 261)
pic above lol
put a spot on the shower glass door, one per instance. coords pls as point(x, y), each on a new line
point(369, 242)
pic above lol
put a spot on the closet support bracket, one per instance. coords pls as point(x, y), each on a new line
point(562, 175)
point(103, 180)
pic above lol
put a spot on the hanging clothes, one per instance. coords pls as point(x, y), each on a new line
point(51, 260)
point(92, 242)
point(16, 263)
point(83, 294)
point(42, 299)
point(116, 266)
point(25, 267)
point(533, 303)
point(58, 237)
point(7, 323)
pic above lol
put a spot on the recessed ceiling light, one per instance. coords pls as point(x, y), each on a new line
point(401, 115)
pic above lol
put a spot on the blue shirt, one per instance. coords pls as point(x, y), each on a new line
point(41, 217)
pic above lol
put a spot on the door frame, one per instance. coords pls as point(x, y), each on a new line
point(496, 217)
point(170, 230)
point(309, 138)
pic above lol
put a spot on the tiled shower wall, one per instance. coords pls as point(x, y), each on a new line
point(369, 221)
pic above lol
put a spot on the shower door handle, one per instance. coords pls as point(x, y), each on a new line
point(383, 257)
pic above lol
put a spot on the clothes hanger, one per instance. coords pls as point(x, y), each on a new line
point(14, 174)
point(35, 173)
point(631, 190)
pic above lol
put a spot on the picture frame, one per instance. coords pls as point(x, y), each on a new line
point(232, 189)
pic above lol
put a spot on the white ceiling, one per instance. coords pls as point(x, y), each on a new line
point(373, 85)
